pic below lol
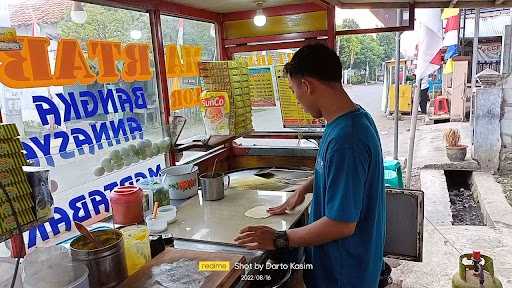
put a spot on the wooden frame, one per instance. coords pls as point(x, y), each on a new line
point(266, 47)
point(284, 41)
point(276, 38)
point(274, 11)
point(165, 7)
point(434, 4)
point(410, 27)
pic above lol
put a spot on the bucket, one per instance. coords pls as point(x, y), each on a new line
point(59, 276)
point(58, 270)
point(127, 205)
point(107, 264)
point(7, 266)
point(181, 181)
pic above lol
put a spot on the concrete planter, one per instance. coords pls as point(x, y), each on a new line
point(457, 153)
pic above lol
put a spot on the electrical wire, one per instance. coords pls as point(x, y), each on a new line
point(18, 226)
point(445, 238)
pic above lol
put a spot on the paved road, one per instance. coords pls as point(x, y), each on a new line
point(369, 97)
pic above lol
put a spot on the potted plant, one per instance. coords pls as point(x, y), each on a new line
point(455, 151)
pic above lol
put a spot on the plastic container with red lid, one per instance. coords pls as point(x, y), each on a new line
point(127, 205)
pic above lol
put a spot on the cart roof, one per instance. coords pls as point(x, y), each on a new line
point(228, 6)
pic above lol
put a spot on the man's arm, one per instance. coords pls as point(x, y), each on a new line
point(319, 232)
point(322, 231)
point(307, 187)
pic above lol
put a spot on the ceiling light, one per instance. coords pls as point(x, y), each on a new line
point(260, 19)
point(135, 34)
point(78, 14)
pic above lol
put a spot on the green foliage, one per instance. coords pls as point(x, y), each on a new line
point(370, 53)
point(349, 24)
point(106, 23)
point(194, 33)
point(349, 47)
point(387, 42)
point(358, 51)
point(357, 79)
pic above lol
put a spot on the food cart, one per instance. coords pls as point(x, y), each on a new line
point(405, 87)
point(260, 174)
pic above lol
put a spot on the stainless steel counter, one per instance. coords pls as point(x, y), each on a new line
point(289, 178)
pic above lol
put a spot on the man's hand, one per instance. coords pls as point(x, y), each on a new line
point(257, 238)
point(295, 200)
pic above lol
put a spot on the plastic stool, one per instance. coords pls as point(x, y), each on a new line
point(391, 179)
point(390, 164)
point(394, 165)
point(441, 106)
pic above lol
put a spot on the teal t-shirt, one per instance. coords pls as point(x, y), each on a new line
point(349, 187)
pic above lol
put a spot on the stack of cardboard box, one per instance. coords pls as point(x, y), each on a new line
point(14, 181)
point(231, 77)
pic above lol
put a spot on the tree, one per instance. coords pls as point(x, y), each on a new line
point(107, 23)
point(370, 53)
point(348, 45)
point(348, 49)
point(360, 52)
point(349, 24)
point(387, 42)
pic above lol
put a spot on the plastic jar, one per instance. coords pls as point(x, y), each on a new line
point(127, 207)
point(136, 247)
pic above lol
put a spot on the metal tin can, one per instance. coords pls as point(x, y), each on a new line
point(107, 264)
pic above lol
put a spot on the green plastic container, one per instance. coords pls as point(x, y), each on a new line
point(394, 165)
point(391, 179)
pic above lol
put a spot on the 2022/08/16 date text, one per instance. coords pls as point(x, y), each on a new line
point(257, 277)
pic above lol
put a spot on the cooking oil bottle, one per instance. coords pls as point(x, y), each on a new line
point(475, 271)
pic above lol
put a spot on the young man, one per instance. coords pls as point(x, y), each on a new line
point(345, 234)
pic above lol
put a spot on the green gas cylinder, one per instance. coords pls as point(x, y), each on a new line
point(467, 277)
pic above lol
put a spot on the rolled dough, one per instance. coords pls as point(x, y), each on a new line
point(257, 212)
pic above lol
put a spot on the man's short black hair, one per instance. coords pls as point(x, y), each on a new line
point(316, 61)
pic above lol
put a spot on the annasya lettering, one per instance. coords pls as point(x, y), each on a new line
point(97, 135)
point(105, 101)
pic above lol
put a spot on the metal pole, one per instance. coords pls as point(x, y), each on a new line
point(474, 63)
point(412, 133)
point(397, 82)
point(161, 77)
point(463, 29)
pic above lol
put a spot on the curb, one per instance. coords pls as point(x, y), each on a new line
point(494, 205)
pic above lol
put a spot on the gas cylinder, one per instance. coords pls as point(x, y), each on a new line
point(475, 271)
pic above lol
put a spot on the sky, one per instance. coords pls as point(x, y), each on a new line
point(365, 19)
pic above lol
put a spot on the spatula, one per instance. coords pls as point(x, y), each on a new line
point(87, 234)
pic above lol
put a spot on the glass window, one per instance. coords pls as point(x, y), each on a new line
point(181, 33)
point(274, 106)
point(87, 106)
point(186, 43)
